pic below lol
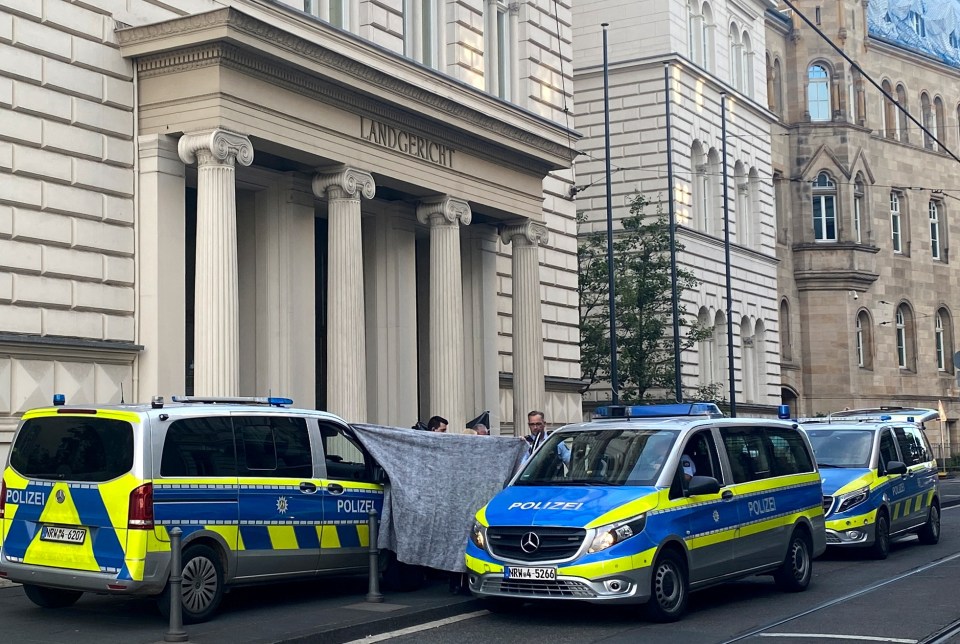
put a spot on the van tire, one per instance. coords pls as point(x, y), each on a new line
point(881, 537)
point(202, 589)
point(668, 588)
point(929, 532)
point(51, 597)
point(795, 572)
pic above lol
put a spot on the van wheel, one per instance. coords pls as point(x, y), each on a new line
point(929, 533)
point(668, 588)
point(51, 597)
point(881, 537)
point(797, 568)
point(202, 587)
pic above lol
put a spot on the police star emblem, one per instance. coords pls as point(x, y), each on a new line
point(282, 505)
point(716, 517)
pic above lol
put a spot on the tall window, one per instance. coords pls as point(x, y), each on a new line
point(499, 46)
point(693, 31)
point(901, 338)
point(747, 62)
point(722, 375)
point(336, 12)
point(934, 210)
point(700, 189)
point(896, 222)
point(707, 375)
point(858, 196)
point(778, 86)
point(939, 124)
point(706, 36)
point(939, 339)
point(742, 203)
point(860, 345)
point(714, 188)
point(421, 29)
point(903, 132)
point(889, 113)
point(786, 344)
point(864, 341)
point(824, 208)
point(818, 93)
point(736, 58)
point(926, 110)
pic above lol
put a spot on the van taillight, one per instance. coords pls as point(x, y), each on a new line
point(3, 498)
point(140, 516)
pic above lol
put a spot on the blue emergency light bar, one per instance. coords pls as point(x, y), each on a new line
point(667, 410)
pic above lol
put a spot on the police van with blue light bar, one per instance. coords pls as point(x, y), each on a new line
point(261, 492)
point(642, 506)
point(880, 478)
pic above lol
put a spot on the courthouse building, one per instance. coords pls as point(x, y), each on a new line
point(355, 204)
point(867, 203)
point(711, 51)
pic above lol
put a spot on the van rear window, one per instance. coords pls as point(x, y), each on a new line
point(70, 448)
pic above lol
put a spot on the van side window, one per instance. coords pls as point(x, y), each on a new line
point(747, 452)
point(703, 454)
point(888, 450)
point(911, 446)
point(790, 455)
point(275, 446)
point(343, 456)
point(197, 447)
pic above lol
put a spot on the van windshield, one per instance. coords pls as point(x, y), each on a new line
point(841, 448)
point(73, 448)
point(607, 457)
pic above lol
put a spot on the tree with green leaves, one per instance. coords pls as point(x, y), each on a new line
point(643, 301)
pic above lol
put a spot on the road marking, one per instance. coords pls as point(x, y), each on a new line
point(950, 507)
point(420, 627)
point(826, 636)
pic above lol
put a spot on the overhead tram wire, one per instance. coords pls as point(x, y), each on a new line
point(857, 67)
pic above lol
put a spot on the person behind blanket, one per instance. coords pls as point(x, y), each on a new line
point(437, 424)
point(479, 430)
point(538, 426)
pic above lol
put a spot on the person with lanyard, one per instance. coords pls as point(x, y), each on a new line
point(538, 433)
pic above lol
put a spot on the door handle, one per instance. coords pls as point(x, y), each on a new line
point(334, 488)
point(307, 487)
point(726, 495)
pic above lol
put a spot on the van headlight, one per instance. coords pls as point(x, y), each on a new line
point(852, 499)
point(614, 533)
point(478, 535)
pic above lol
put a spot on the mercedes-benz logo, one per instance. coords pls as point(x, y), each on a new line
point(529, 542)
point(61, 497)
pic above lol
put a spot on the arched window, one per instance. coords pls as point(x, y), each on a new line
point(719, 354)
point(786, 344)
point(707, 375)
point(693, 31)
point(933, 208)
point(903, 131)
point(906, 356)
point(939, 122)
point(714, 190)
point(742, 208)
point(818, 93)
point(746, 59)
point(858, 213)
point(926, 111)
point(824, 208)
point(753, 202)
point(748, 360)
point(778, 87)
point(700, 188)
point(864, 341)
point(706, 36)
point(890, 113)
point(943, 333)
point(760, 356)
point(779, 205)
point(736, 57)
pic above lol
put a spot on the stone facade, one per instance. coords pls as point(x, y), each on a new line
point(99, 246)
point(865, 212)
point(709, 50)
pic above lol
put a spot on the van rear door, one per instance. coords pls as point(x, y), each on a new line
point(67, 489)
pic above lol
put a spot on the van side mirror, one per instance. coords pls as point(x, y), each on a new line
point(896, 467)
point(703, 485)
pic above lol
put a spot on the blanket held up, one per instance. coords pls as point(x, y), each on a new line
point(437, 483)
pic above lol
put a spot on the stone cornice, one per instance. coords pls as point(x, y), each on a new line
point(451, 209)
point(215, 146)
point(350, 181)
point(228, 36)
point(530, 233)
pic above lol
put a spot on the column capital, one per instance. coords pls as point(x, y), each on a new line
point(451, 209)
point(350, 181)
point(529, 232)
point(215, 146)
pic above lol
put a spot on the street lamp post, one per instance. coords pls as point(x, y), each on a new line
point(614, 380)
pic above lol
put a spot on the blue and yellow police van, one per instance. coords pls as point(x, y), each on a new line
point(629, 508)
point(261, 492)
point(880, 477)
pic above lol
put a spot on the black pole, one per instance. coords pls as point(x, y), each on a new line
point(726, 254)
point(614, 380)
point(674, 296)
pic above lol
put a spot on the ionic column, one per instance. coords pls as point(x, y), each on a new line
point(444, 216)
point(216, 350)
point(346, 328)
point(528, 386)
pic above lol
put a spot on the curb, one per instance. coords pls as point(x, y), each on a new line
point(342, 634)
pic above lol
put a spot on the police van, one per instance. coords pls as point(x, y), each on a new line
point(880, 477)
point(262, 492)
point(627, 509)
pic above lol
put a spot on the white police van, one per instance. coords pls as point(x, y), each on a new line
point(614, 516)
point(880, 477)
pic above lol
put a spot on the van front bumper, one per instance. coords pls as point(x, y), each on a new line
point(852, 531)
point(628, 587)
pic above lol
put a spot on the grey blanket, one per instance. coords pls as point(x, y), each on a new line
point(437, 484)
